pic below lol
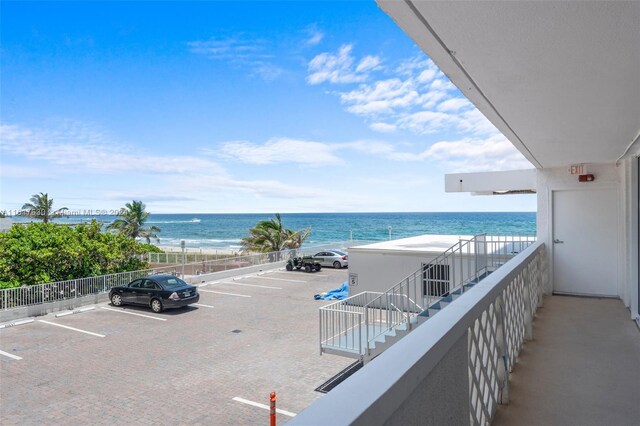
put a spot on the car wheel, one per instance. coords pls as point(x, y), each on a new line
point(156, 306)
point(289, 267)
point(307, 268)
point(318, 267)
point(116, 299)
point(337, 265)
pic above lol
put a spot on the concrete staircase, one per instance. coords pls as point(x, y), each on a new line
point(389, 337)
point(366, 324)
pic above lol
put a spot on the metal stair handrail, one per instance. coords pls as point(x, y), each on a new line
point(399, 304)
point(355, 323)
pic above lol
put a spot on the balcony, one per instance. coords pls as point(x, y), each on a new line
point(575, 364)
point(581, 368)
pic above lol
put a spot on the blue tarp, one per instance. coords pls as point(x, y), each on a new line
point(339, 293)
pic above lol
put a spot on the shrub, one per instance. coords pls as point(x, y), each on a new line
point(46, 252)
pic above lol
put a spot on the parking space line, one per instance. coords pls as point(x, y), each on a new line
point(222, 292)
point(201, 305)
point(71, 328)
point(254, 285)
point(281, 279)
point(133, 313)
point(10, 355)
point(263, 406)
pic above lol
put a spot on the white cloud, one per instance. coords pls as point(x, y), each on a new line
point(383, 96)
point(368, 63)
point(474, 121)
point(383, 127)
point(8, 171)
point(84, 149)
point(315, 36)
point(470, 154)
point(424, 122)
point(419, 98)
point(454, 104)
point(147, 196)
point(441, 84)
point(341, 67)
point(266, 70)
point(282, 150)
point(242, 52)
point(229, 48)
point(427, 75)
point(380, 149)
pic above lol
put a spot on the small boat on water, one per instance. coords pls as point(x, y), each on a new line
point(195, 220)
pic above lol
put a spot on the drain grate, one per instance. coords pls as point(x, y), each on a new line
point(236, 331)
point(340, 377)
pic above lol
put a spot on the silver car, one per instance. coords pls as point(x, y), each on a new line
point(335, 258)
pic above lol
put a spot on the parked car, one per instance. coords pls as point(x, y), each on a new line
point(159, 292)
point(335, 258)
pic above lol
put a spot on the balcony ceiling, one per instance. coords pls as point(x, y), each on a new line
point(560, 79)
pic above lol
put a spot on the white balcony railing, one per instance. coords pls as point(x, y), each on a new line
point(355, 326)
point(455, 368)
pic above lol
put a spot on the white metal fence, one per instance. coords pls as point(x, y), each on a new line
point(51, 292)
point(195, 257)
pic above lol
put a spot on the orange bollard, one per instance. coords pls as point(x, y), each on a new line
point(272, 409)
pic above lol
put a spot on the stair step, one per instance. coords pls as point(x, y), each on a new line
point(447, 299)
point(435, 306)
point(401, 327)
point(457, 292)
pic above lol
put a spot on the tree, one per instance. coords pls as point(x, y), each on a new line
point(270, 235)
point(41, 207)
point(131, 221)
point(46, 252)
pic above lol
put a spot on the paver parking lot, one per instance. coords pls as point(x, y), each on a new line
point(254, 335)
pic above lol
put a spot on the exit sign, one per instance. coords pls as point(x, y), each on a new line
point(578, 169)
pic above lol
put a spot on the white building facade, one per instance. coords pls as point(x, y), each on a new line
point(561, 81)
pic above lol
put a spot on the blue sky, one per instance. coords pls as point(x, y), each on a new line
point(220, 107)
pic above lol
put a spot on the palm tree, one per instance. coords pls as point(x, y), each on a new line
point(270, 235)
point(131, 221)
point(41, 207)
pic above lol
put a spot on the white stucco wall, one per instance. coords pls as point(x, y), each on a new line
point(629, 269)
point(607, 176)
point(378, 270)
point(508, 180)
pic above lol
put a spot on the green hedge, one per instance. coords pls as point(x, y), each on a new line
point(45, 252)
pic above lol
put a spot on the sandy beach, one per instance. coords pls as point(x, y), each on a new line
point(194, 250)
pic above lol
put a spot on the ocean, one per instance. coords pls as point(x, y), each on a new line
point(224, 231)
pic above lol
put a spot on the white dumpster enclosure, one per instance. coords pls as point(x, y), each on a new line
point(379, 266)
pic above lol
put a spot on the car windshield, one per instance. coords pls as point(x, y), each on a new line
point(340, 253)
point(171, 282)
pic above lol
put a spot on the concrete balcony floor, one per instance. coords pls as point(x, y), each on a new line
point(582, 368)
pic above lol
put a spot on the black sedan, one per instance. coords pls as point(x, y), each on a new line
point(156, 291)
